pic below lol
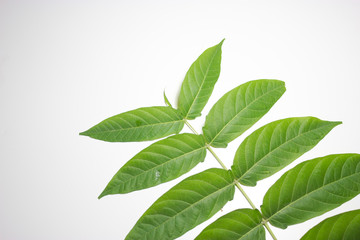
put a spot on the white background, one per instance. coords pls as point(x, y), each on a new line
point(67, 65)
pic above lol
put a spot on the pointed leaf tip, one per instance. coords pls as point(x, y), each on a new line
point(103, 194)
point(83, 133)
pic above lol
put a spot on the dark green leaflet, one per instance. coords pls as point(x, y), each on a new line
point(199, 82)
point(161, 162)
point(275, 145)
point(239, 109)
point(185, 206)
point(343, 226)
point(241, 224)
point(141, 124)
point(312, 188)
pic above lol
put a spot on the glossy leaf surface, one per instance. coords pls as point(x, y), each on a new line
point(161, 162)
point(239, 109)
point(275, 145)
point(311, 189)
point(199, 82)
point(241, 224)
point(343, 226)
point(141, 124)
point(184, 206)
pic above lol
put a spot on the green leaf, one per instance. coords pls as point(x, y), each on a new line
point(239, 109)
point(166, 100)
point(275, 145)
point(342, 226)
point(161, 162)
point(185, 206)
point(199, 82)
point(241, 224)
point(311, 189)
point(141, 124)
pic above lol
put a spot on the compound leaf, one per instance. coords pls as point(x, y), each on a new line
point(275, 145)
point(199, 82)
point(161, 162)
point(342, 226)
point(239, 109)
point(241, 224)
point(312, 188)
point(141, 124)
point(185, 206)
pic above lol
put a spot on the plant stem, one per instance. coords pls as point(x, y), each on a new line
point(238, 186)
point(191, 128)
point(269, 230)
point(244, 194)
point(216, 157)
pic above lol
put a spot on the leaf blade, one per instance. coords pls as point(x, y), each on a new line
point(199, 82)
point(161, 162)
point(239, 109)
point(275, 145)
point(342, 226)
point(184, 206)
point(241, 224)
point(312, 188)
point(142, 124)
point(166, 100)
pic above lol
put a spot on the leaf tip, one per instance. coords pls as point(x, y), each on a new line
point(222, 41)
point(333, 124)
point(338, 123)
point(282, 83)
point(103, 194)
point(84, 133)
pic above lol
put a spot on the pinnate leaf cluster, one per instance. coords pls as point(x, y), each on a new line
point(308, 190)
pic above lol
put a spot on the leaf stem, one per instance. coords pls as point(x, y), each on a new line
point(191, 128)
point(244, 194)
point(216, 157)
point(269, 230)
point(238, 186)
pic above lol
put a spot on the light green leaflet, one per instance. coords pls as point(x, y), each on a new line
point(184, 206)
point(161, 162)
point(141, 124)
point(241, 224)
point(311, 189)
point(239, 109)
point(343, 226)
point(275, 145)
point(166, 100)
point(199, 82)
